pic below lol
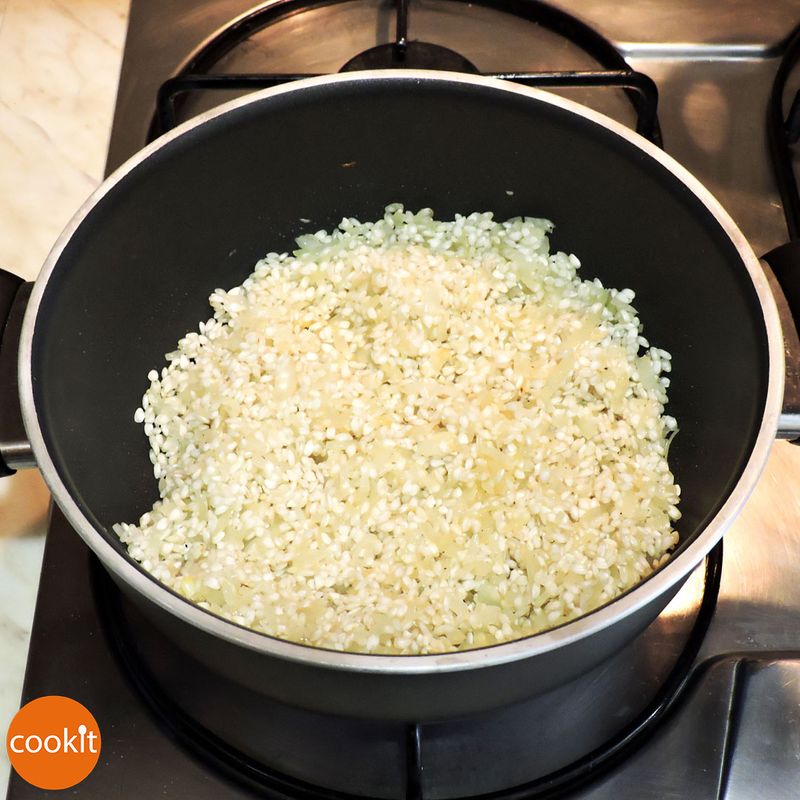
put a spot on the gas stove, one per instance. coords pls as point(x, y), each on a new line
point(706, 702)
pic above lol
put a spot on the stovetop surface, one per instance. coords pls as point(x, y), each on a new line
point(736, 732)
point(734, 735)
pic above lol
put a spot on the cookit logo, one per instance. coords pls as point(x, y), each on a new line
point(53, 742)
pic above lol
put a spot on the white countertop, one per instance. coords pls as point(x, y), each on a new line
point(60, 65)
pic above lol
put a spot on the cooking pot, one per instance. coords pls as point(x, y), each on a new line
point(196, 209)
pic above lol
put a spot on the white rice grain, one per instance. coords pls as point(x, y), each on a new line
point(410, 436)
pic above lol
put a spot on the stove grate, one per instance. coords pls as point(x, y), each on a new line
point(196, 72)
point(783, 133)
point(170, 92)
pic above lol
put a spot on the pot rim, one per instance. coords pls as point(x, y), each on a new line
point(668, 576)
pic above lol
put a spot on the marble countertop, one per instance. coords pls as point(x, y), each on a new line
point(60, 65)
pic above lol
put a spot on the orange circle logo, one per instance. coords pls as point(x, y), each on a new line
point(53, 742)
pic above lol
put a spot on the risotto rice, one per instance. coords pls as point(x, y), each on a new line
point(410, 436)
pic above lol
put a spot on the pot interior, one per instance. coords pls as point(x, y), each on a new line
point(200, 211)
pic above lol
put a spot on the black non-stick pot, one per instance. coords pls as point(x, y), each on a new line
point(196, 210)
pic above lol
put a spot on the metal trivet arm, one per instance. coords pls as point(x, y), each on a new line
point(401, 35)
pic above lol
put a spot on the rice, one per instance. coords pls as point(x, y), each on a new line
point(410, 436)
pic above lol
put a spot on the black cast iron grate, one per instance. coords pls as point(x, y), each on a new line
point(615, 73)
point(783, 133)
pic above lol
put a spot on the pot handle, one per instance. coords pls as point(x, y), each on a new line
point(784, 264)
point(15, 450)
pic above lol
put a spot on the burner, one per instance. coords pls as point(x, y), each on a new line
point(406, 54)
point(414, 55)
